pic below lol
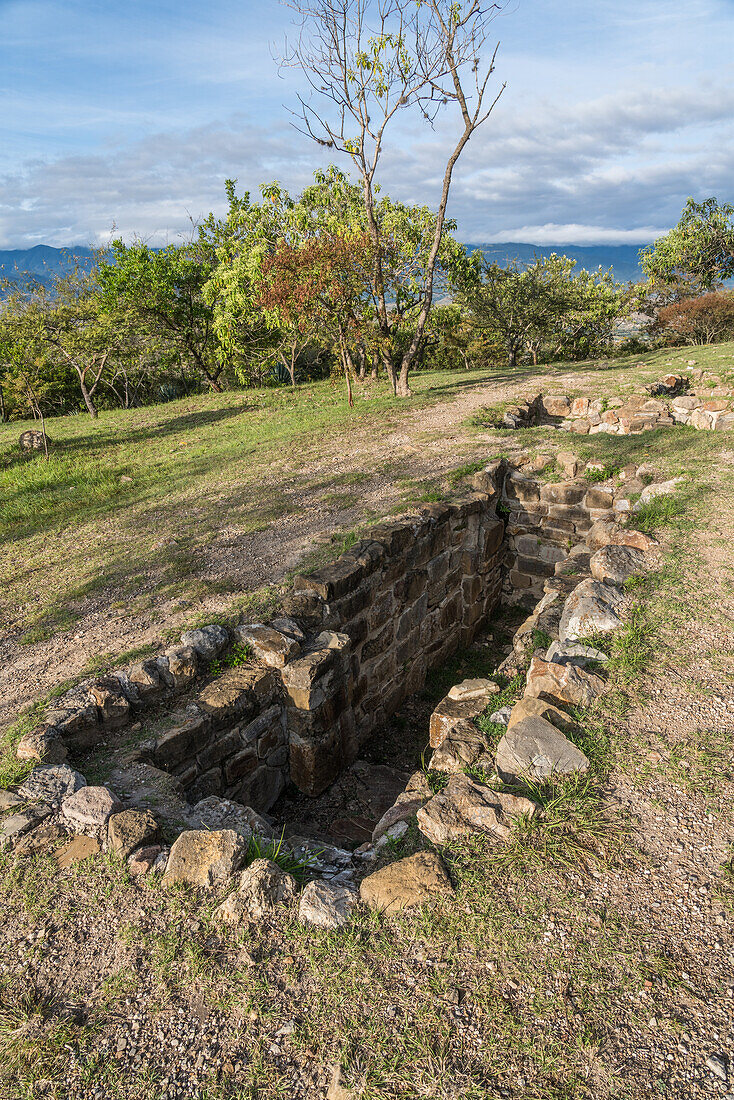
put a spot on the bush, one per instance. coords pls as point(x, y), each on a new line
point(708, 319)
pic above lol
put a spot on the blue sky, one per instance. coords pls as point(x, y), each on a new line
point(133, 114)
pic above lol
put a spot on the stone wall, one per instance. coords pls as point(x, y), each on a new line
point(544, 521)
point(394, 606)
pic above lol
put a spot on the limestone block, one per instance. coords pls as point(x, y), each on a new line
point(205, 859)
point(564, 683)
point(535, 749)
point(465, 808)
point(420, 879)
point(51, 784)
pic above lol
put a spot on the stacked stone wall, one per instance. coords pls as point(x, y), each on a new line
point(390, 609)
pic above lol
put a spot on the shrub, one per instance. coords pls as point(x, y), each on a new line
point(705, 320)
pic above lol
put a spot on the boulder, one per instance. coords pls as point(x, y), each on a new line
point(208, 641)
point(534, 749)
point(262, 888)
point(89, 809)
point(614, 564)
point(51, 783)
point(569, 463)
point(327, 905)
point(129, 830)
point(406, 807)
point(33, 440)
point(416, 880)
point(563, 683)
point(205, 859)
point(111, 701)
point(465, 808)
point(451, 712)
point(179, 667)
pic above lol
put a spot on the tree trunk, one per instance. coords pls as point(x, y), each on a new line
point(511, 355)
point(91, 407)
point(403, 389)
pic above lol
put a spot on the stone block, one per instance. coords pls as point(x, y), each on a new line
point(237, 694)
point(181, 742)
point(263, 787)
point(111, 701)
point(315, 762)
point(217, 751)
point(269, 645)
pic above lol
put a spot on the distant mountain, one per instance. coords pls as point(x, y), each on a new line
point(623, 258)
point(43, 261)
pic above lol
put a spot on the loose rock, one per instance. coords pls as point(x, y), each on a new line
point(536, 750)
point(327, 905)
point(465, 808)
point(262, 888)
point(417, 880)
point(205, 859)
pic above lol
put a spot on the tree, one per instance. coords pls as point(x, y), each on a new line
point(329, 210)
point(543, 306)
point(697, 254)
point(162, 291)
point(64, 327)
point(367, 61)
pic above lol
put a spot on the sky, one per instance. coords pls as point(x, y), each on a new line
point(125, 118)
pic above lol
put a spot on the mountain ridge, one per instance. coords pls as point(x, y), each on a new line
point(43, 262)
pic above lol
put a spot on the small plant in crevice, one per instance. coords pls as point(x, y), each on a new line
point(238, 656)
point(465, 470)
point(595, 475)
point(260, 847)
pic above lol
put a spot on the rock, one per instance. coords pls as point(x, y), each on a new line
point(238, 694)
point(328, 905)
point(452, 712)
point(40, 839)
point(501, 717)
point(9, 801)
point(417, 880)
point(51, 783)
point(215, 813)
point(89, 808)
point(144, 860)
point(129, 830)
point(179, 667)
point(661, 489)
point(614, 564)
point(78, 849)
point(268, 644)
point(405, 808)
point(44, 744)
point(534, 749)
point(464, 808)
point(33, 441)
point(145, 679)
point(111, 701)
point(719, 1066)
point(205, 859)
point(208, 641)
point(569, 463)
point(76, 718)
point(473, 689)
point(557, 405)
point(463, 746)
point(17, 825)
point(261, 889)
point(564, 683)
point(590, 609)
point(145, 787)
point(530, 707)
point(607, 532)
point(575, 654)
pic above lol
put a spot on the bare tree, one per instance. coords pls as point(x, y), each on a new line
point(366, 61)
